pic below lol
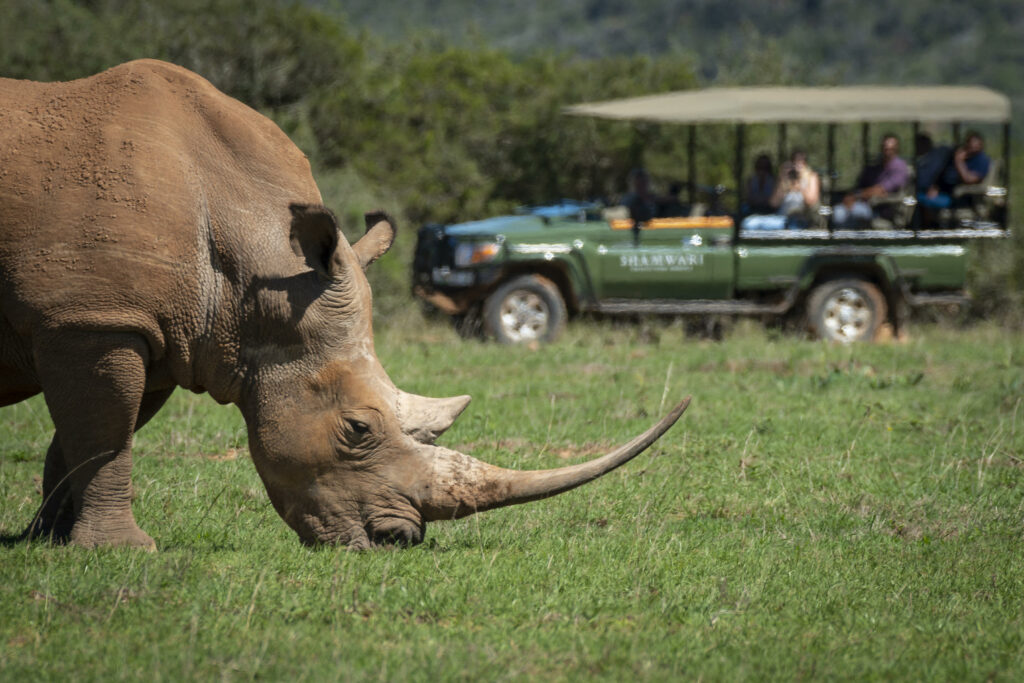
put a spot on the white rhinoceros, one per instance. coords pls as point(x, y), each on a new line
point(158, 233)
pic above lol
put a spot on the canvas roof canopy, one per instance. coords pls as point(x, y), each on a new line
point(823, 105)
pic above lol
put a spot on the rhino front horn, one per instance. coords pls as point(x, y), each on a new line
point(459, 485)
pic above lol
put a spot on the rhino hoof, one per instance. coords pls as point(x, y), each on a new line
point(128, 537)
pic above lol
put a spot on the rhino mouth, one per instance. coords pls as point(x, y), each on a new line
point(395, 533)
point(386, 533)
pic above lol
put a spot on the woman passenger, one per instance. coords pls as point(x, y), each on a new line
point(795, 198)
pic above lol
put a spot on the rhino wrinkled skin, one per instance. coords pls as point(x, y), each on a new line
point(158, 233)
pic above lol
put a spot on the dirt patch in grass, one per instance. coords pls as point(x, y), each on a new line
point(595, 369)
point(502, 444)
point(229, 454)
point(586, 450)
point(779, 368)
point(569, 452)
point(911, 525)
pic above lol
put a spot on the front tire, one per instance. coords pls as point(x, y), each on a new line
point(526, 309)
point(846, 310)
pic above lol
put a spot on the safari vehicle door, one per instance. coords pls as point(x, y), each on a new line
point(667, 258)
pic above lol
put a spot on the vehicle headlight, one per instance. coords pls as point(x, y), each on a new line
point(471, 253)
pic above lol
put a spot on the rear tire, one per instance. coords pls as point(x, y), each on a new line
point(846, 310)
point(526, 309)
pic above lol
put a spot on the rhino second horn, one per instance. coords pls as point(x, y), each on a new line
point(458, 485)
point(424, 418)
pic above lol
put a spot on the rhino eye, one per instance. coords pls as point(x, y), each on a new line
point(358, 427)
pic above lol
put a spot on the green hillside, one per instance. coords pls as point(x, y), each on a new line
point(834, 41)
point(445, 111)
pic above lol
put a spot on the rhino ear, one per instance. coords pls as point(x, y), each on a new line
point(315, 237)
point(380, 234)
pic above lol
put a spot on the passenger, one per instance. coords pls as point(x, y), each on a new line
point(796, 196)
point(671, 206)
point(970, 163)
point(885, 177)
point(929, 163)
point(642, 204)
point(968, 166)
point(761, 187)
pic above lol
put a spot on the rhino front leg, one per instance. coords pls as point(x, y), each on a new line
point(56, 514)
point(93, 384)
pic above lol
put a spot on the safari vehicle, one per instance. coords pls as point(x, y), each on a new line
point(522, 275)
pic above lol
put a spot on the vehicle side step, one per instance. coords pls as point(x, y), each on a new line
point(925, 299)
point(694, 306)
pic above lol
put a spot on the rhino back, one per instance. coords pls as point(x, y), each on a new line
point(139, 199)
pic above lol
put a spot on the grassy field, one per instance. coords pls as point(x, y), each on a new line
point(819, 512)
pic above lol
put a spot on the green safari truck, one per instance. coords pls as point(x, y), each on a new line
point(523, 275)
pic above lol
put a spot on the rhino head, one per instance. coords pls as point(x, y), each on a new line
point(345, 455)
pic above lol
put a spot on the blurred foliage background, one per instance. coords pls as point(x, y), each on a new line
point(450, 110)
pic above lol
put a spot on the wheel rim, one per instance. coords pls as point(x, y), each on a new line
point(524, 316)
point(847, 315)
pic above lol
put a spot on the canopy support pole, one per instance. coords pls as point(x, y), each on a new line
point(1006, 175)
point(830, 166)
point(636, 145)
point(915, 216)
point(865, 142)
point(691, 164)
point(740, 129)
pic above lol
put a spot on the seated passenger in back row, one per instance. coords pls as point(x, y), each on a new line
point(969, 165)
point(641, 202)
point(795, 198)
point(929, 163)
point(761, 187)
point(886, 176)
point(671, 206)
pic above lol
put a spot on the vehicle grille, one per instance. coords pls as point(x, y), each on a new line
point(434, 249)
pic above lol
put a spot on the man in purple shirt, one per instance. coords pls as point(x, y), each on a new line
point(887, 177)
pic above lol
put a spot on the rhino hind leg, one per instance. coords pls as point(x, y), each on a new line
point(93, 384)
